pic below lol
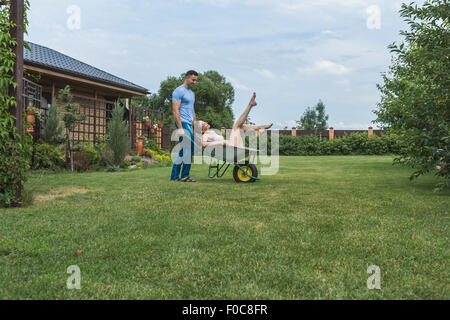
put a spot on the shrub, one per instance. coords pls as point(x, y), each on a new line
point(309, 145)
point(47, 156)
point(86, 157)
point(126, 164)
point(289, 146)
point(104, 151)
point(376, 145)
point(146, 163)
point(53, 129)
point(119, 143)
point(336, 146)
point(356, 143)
point(12, 167)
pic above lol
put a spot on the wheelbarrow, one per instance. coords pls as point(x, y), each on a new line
point(222, 157)
point(243, 159)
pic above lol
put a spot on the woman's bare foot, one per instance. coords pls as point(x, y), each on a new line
point(252, 101)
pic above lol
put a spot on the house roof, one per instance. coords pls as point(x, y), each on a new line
point(52, 59)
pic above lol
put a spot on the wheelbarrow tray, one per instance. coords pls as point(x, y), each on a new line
point(231, 154)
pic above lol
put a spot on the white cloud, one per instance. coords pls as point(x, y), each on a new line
point(351, 126)
point(329, 33)
point(284, 124)
point(326, 67)
point(238, 84)
point(266, 74)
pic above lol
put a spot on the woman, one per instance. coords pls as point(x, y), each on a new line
point(211, 138)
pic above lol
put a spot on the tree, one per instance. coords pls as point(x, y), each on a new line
point(214, 97)
point(314, 119)
point(414, 100)
point(53, 129)
point(118, 142)
point(71, 118)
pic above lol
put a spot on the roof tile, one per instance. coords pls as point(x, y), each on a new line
point(46, 57)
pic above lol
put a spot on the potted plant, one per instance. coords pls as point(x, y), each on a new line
point(146, 120)
point(32, 113)
point(153, 128)
point(160, 124)
point(140, 145)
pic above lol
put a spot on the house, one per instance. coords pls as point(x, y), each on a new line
point(46, 71)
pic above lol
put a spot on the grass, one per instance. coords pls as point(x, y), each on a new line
point(309, 232)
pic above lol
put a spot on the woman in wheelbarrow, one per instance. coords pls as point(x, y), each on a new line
point(211, 138)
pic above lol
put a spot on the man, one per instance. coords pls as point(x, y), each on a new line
point(183, 99)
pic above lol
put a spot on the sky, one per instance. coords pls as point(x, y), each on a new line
point(292, 53)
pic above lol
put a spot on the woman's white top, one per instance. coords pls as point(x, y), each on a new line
point(211, 136)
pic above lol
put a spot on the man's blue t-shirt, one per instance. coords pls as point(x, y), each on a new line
point(187, 98)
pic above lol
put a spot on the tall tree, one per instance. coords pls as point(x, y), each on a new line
point(314, 118)
point(53, 129)
point(414, 100)
point(118, 142)
point(71, 118)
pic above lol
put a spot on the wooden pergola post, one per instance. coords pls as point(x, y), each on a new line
point(17, 17)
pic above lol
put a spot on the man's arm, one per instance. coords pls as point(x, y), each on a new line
point(176, 115)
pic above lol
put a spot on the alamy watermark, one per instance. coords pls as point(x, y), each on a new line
point(373, 17)
point(74, 19)
point(374, 281)
point(74, 280)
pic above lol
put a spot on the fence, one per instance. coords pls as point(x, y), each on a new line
point(325, 134)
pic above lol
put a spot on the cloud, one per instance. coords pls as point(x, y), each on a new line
point(285, 124)
point(237, 84)
point(266, 74)
point(329, 33)
point(351, 126)
point(326, 67)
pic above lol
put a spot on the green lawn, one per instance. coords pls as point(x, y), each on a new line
point(309, 232)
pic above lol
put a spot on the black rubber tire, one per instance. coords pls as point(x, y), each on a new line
point(253, 172)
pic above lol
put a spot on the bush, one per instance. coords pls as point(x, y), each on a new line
point(13, 164)
point(53, 129)
point(289, 146)
point(309, 145)
point(336, 146)
point(159, 155)
point(47, 156)
point(118, 142)
point(356, 143)
point(86, 157)
point(376, 145)
point(104, 151)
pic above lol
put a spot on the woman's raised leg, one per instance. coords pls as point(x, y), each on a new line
point(247, 127)
point(241, 121)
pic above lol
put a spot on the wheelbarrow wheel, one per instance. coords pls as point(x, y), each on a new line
point(240, 176)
